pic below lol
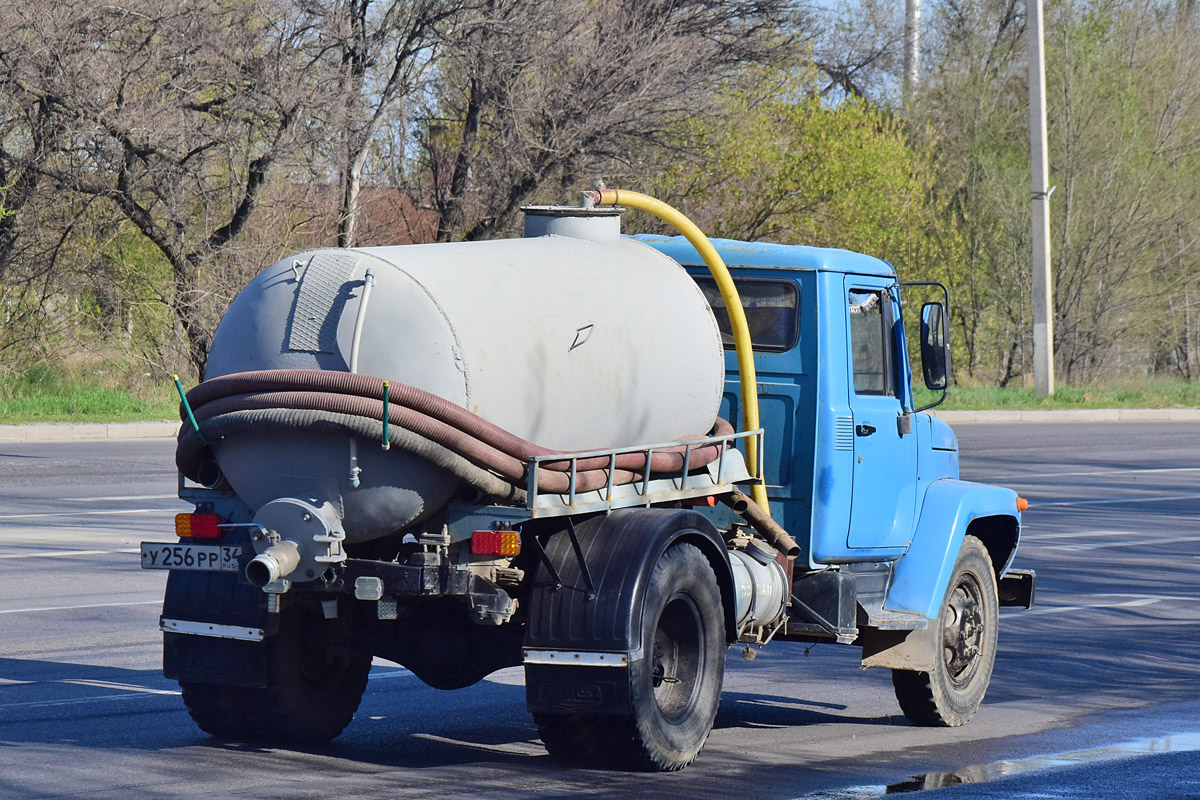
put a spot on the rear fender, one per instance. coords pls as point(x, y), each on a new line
point(580, 640)
point(620, 551)
point(951, 510)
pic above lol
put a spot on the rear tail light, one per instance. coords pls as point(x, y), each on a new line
point(496, 543)
point(198, 526)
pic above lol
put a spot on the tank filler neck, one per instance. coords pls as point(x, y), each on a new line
point(579, 222)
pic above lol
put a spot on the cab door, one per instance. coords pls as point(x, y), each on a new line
point(885, 461)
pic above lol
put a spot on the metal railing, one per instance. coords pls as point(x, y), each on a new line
point(645, 485)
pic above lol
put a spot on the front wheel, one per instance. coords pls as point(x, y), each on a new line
point(951, 694)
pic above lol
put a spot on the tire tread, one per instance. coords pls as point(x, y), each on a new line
point(925, 698)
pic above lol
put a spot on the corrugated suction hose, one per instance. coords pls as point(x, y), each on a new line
point(483, 455)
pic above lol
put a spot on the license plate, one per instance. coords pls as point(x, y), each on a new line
point(193, 557)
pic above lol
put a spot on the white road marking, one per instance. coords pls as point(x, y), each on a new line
point(1159, 499)
point(87, 513)
point(61, 553)
point(1106, 545)
point(514, 749)
point(1135, 601)
point(123, 498)
point(79, 607)
point(73, 701)
point(133, 691)
point(127, 687)
point(1143, 601)
point(1098, 472)
point(1038, 537)
point(1154, 596)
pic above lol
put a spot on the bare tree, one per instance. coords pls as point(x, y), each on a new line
point(972, 107)
point(174, 112)
point(382, 53)
point(33, 233)
point(859, 48)
point(1128, 127)
point(536, 96)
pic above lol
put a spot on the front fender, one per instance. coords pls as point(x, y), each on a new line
point(951, 508)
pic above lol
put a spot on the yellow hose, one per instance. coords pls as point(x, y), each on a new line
point(733, 304)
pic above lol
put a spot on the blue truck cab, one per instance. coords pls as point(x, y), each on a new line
point(866, 482)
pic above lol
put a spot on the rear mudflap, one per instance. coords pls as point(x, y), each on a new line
point(214, 625)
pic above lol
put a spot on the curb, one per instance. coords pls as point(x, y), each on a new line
point(73, 432)
point(1073, 415)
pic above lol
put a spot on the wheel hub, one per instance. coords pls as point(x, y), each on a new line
point(677, 658)
point(962, 631)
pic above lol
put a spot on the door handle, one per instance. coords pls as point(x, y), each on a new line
point(864, 430)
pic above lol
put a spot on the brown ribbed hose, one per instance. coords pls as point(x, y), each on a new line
point(342, 385)
point(191, 447)
point(429, 417)
point(426, 429)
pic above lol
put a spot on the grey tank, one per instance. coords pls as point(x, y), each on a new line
point(579, 341)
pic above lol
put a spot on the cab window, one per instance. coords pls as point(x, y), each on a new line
point(771, 307)
point(870, 345)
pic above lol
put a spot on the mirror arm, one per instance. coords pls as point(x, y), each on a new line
point(946, 333)
point(928, 406)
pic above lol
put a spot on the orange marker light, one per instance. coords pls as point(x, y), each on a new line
point(197, 526)
point(710, 501)
point(1022, 504)
point(496, 543)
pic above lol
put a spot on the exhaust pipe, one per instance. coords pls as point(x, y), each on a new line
point(277, 561)
point(762, 522)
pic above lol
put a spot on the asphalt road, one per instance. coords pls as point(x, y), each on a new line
point(1096, 692)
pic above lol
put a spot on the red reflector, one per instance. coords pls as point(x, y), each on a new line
point(496, 543)
point(198, 526)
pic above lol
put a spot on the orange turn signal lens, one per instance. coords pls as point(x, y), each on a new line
point(1022, 504)
point(710, 501)
point(197, 526)
point(496, 543)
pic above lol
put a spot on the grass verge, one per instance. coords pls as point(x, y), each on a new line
point(43, 395)
point(1149, 393)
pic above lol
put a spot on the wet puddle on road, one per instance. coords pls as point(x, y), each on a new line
point(983, 773)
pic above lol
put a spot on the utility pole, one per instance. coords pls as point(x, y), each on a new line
point(912, 48)
point(1043, 300)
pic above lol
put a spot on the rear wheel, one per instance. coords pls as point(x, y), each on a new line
point(675, 688)
point(314, 686)
point(951, 694)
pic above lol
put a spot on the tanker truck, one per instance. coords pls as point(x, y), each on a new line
point(464, 457)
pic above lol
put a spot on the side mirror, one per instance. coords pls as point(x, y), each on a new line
point(935, 346)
